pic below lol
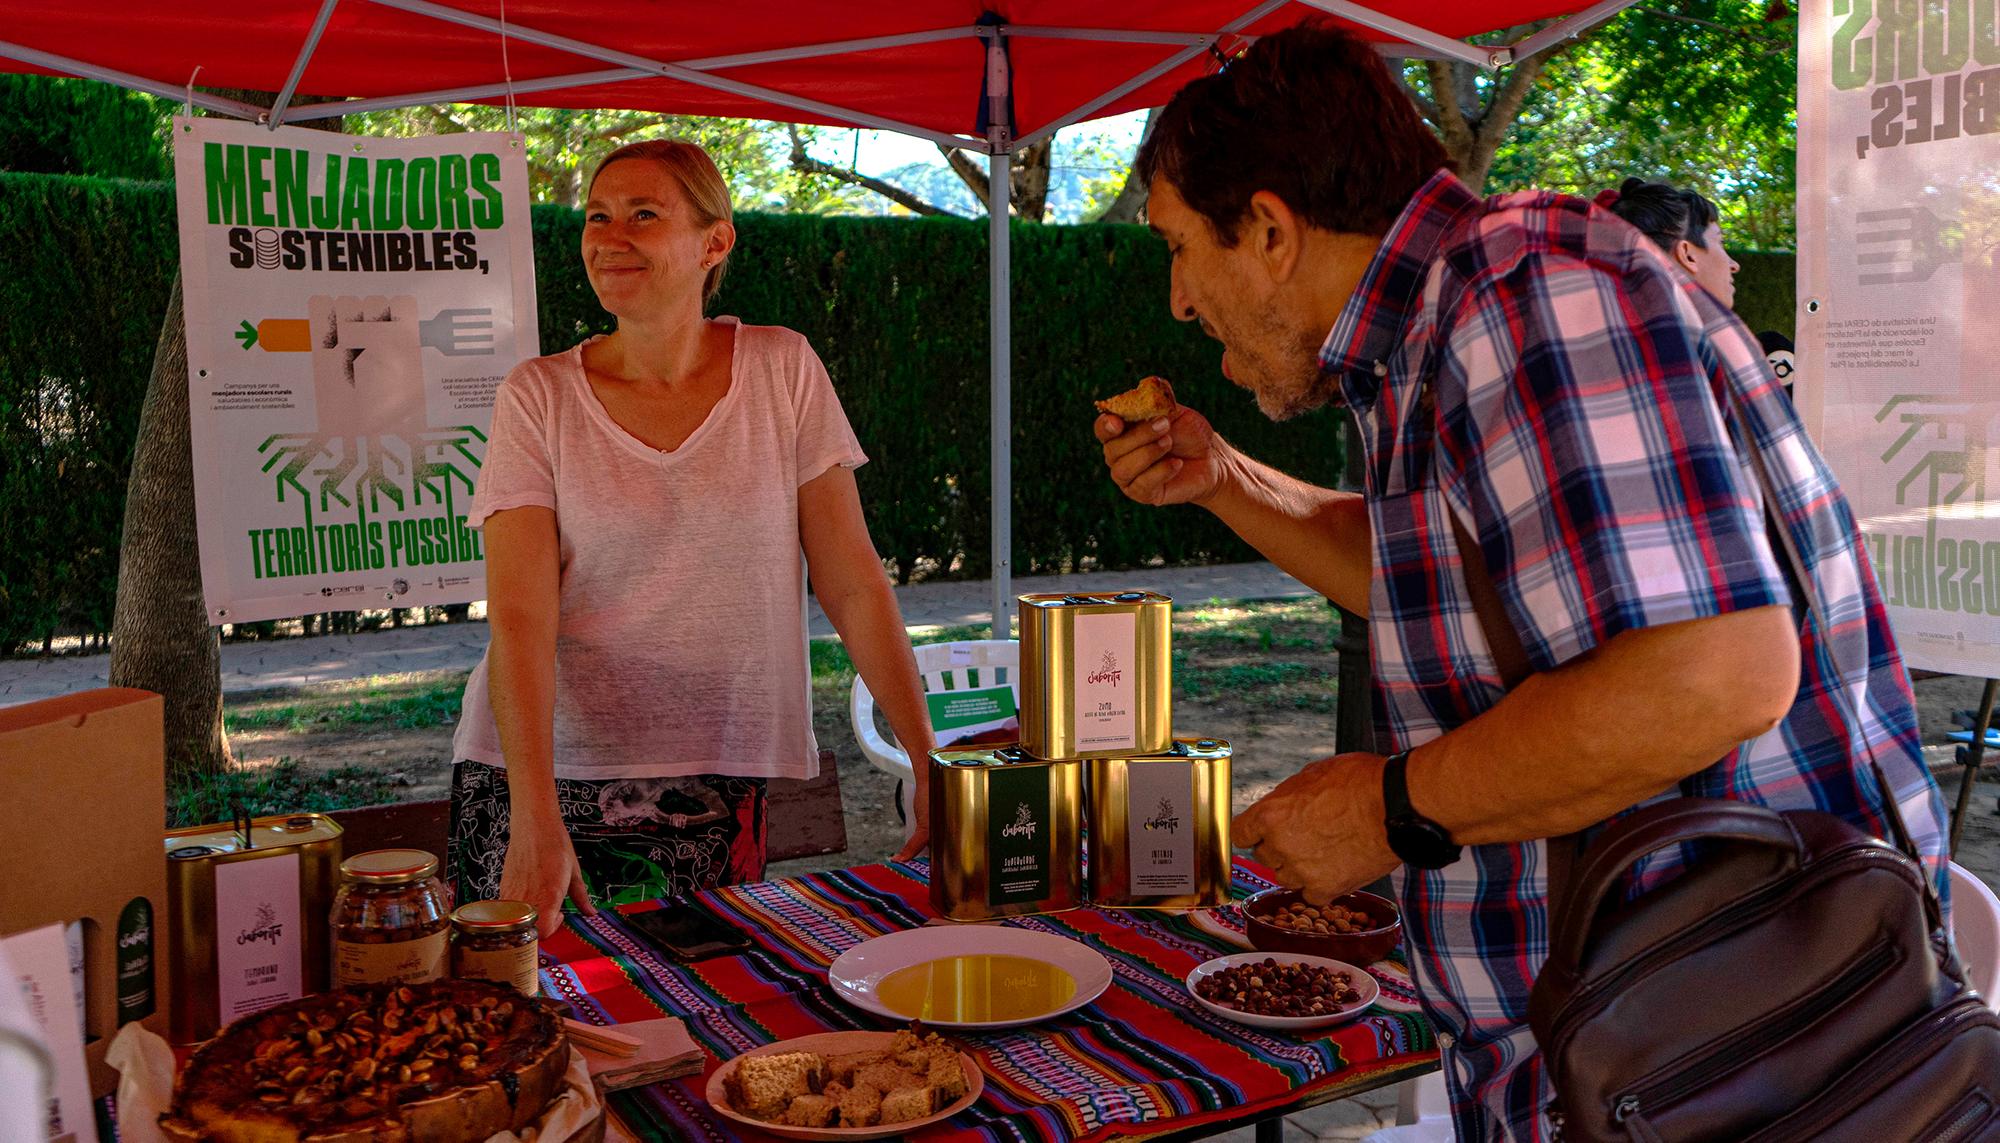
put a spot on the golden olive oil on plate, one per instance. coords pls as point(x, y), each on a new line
point(976, 988)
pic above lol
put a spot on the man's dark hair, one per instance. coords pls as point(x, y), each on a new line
point(1664, 213)
point(1310, 114)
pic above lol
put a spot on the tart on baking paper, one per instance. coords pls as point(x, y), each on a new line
point(450, 1061)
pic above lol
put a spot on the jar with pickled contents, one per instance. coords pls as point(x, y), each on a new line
point(391, 919)
point(495, 940)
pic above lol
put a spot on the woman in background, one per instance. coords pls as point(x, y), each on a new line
point(652, 501)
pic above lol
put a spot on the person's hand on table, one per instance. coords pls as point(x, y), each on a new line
point(1320, 830)
point(920, 833)
point(541, 869)
point(1169, 460)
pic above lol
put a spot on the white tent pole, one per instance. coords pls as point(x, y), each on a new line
point(307, 111)
point(522, 34)
point(168, 91)
point(285, 93)
point(1192, 49)
point(1475, 54)
point(1569, 26)
point(1000, 178)
point(1000, 314)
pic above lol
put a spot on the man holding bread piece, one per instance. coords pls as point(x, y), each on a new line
point(1575, 601)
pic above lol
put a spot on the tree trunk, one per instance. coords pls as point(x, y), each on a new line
point(161, 638)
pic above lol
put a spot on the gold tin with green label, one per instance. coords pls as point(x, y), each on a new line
point(211, 984)
point(1096, 676)
point(1005, 834)
point(1159, 827)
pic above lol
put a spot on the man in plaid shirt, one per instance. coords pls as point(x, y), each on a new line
point(1532, 378)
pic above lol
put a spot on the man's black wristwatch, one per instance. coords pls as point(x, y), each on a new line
point(1418, 840)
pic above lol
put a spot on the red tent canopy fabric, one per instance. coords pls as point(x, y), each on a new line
point(1067, 61)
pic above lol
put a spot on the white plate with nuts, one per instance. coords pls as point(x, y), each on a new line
point(1284, 992)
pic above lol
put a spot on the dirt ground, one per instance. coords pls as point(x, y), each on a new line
point(1273, 735)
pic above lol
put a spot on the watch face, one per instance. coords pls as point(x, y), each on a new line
point(1421, 842)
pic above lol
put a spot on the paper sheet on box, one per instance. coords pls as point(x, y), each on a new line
point(146, 1082)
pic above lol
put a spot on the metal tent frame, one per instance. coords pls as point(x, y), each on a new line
point(994, 135)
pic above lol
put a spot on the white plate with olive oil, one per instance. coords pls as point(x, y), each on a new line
point(970, 976)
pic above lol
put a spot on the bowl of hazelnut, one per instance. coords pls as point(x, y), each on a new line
point(1358, 927)
point(1284, 992)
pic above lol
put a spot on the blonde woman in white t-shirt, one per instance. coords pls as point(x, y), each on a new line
point(652, 502)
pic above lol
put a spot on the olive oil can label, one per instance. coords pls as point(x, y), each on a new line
point(1106, 645)
point(1160, 827)
point(135, 961)
point(259, 942)
point(1017, 835)
point(394, 962)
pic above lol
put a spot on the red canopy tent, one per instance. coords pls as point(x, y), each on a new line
point(986, 75)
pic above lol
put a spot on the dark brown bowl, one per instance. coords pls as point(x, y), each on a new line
point(1362, 948)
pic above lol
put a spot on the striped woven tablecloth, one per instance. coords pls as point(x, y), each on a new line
point(1143, 1058)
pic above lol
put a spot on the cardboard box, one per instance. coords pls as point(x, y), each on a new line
point(82, 805)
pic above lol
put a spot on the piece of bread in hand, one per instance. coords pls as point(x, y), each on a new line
point(1150, 398)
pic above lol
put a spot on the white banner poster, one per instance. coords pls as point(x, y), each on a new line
point(352, 304)
point(1899, 302)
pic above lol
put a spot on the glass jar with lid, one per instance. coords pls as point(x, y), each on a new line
point(496, 941)
point(391, 919)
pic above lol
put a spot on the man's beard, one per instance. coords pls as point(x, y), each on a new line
point(1297, 385)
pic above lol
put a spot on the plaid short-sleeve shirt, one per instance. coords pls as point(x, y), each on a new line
point(1532, 366)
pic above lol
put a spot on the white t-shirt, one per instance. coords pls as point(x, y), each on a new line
point(681, 646)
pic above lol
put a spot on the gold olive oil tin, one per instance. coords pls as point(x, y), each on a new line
point(247, 917)
point(1159, 827)
point(1005, 833)
point(1096, 676)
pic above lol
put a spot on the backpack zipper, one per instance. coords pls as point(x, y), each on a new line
point(1727, 1055)
point(1587, 1001)
point(1902, 1052)
point(1970, 1117)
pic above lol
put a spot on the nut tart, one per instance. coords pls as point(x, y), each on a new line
point(450, 1061)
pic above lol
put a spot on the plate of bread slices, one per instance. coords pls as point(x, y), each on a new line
point(846, 1085)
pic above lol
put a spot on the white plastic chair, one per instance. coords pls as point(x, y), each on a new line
point(944, 666)
point(1423, 1111)
point(1975, 929)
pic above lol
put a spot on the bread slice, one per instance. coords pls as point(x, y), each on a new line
point(947, 1075)
point(885, 1077)
point(1152, 397)
point(764, 1086)
point(860, 1107)
point(907, 1103)
point(811, 1111)
point(843, 1065)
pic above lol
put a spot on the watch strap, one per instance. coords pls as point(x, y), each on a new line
point(1396, 786)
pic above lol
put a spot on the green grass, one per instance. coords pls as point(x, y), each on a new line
point(413, 701)
point(285, 787)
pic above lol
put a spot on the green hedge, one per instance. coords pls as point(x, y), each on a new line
point(897, 308)
point(1765, 289)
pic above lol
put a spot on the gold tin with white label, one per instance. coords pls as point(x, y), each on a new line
point(1005, 834)
point(1159, 827)
point(1096, 675)
point(196, 856)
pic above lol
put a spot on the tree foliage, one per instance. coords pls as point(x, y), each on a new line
point(53, 126)
point(1703, 95)
point(565, 145)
